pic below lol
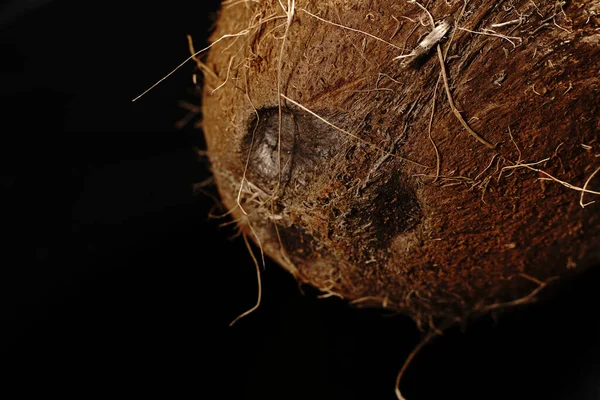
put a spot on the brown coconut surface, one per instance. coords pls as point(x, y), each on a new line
point(437, 171)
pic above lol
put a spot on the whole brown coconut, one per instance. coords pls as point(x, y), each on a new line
point(436, 170)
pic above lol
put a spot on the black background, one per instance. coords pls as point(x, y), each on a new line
point(115, 282)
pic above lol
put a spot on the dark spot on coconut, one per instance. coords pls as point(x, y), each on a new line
point(297, 242)
point(393, 209)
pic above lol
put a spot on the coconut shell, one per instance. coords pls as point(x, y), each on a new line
point(335, 146)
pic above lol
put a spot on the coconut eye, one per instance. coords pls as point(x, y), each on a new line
point(269, 146)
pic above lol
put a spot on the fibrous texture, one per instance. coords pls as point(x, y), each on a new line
point(435, 159)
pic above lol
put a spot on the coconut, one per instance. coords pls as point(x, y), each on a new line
point(436, 160)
